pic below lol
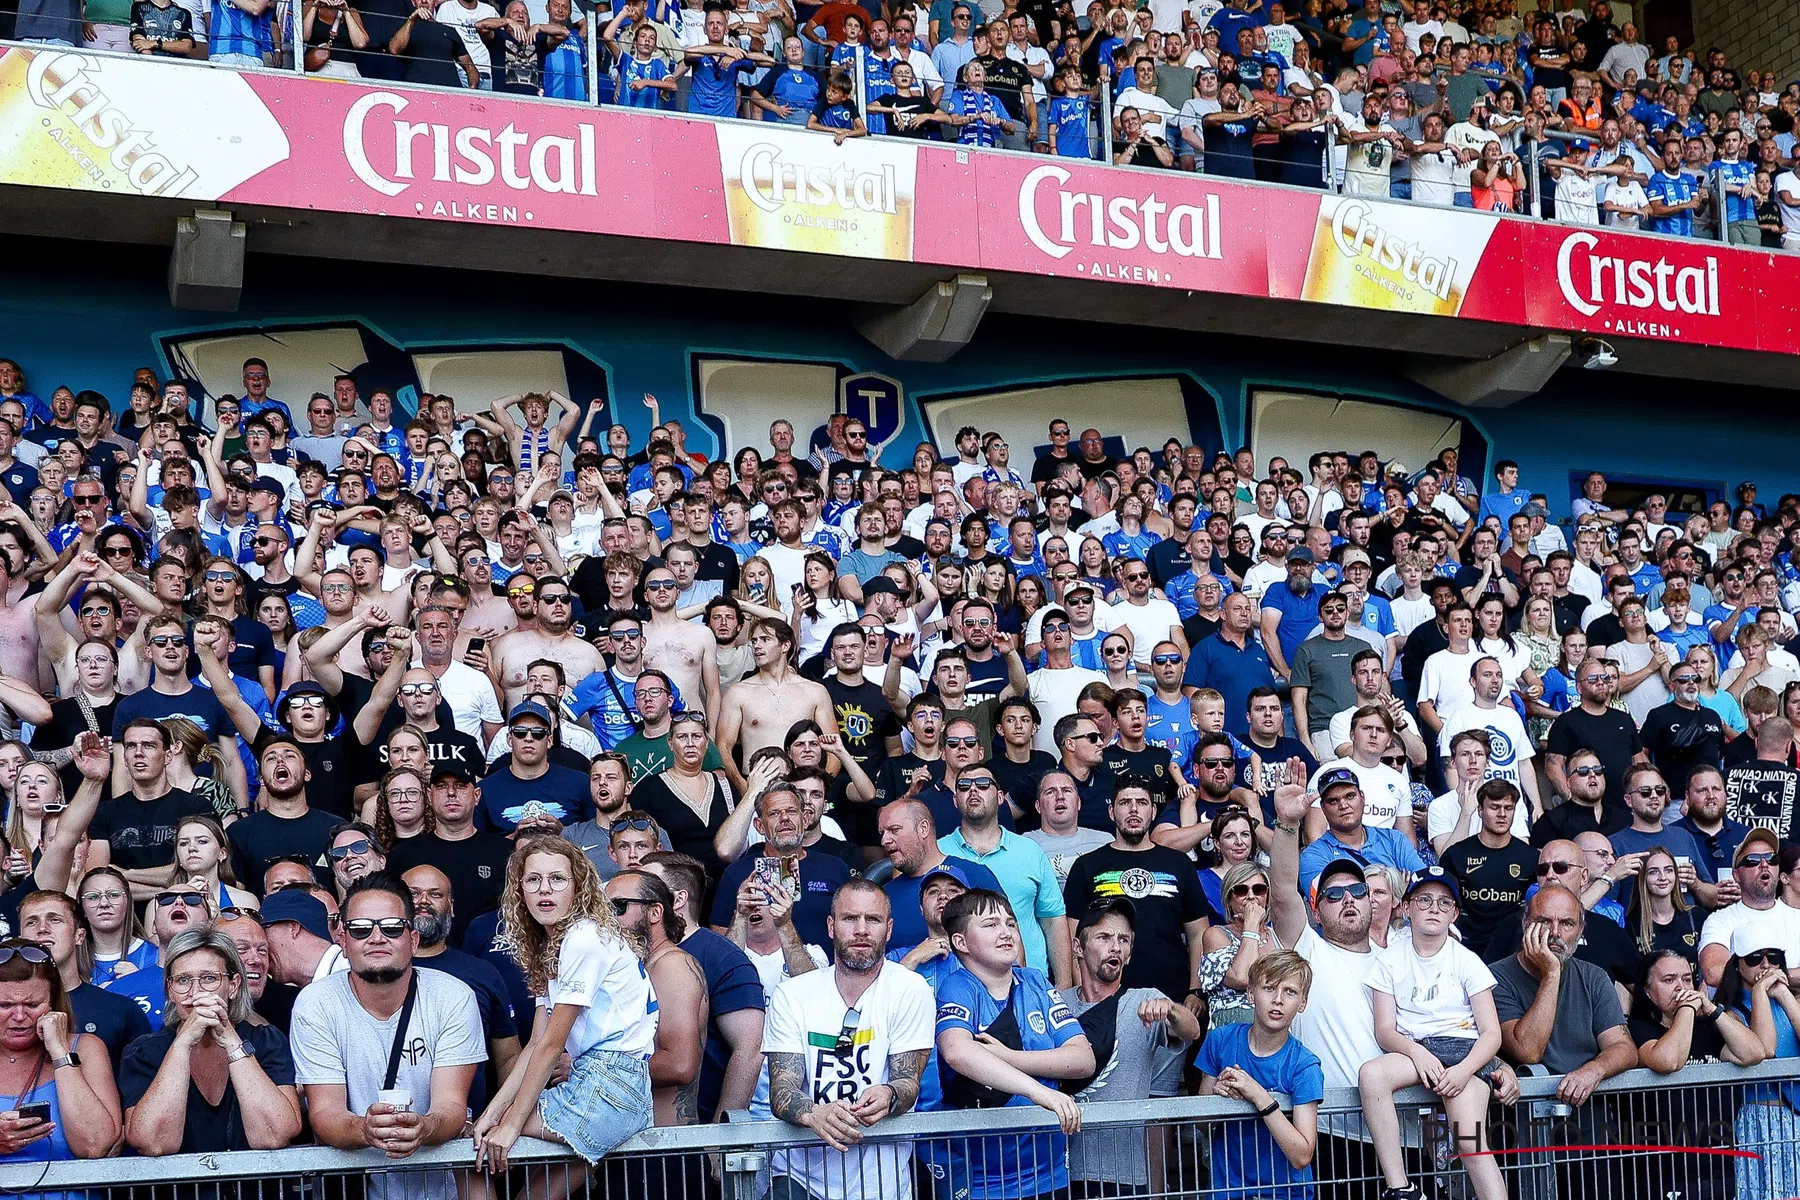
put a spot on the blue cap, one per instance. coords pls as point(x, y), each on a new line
point(531, 708)
point(1581, 144)
point(1337, 776)
point(1300, 554)
point(949, 870)
point(305, 910)
point(1435, 874)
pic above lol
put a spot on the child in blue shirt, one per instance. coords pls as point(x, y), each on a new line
point(837, 114)
point(1270, 1159)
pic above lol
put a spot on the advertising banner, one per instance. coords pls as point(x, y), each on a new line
point(102, 123)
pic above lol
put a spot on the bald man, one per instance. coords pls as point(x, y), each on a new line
point(430, 889)
point(1604, 943)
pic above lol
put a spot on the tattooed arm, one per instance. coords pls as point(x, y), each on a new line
point(790, 1099)
point(899, 1093)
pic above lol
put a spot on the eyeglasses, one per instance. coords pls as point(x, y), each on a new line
point(340, 853)
point(1554, 868)
point(1336, 893)
point(531, 733)
point(641, 824)
point(361, 928)
point(336, 588)
point(418, 689)
point(170, 899)
point(112, 897)
point(206, 981)
point(1432, 902)
point(846, 1038)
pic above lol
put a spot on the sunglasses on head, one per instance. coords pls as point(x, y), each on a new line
point(692, 716)
point(31, 954)
point(362, 928)
point(641, 824)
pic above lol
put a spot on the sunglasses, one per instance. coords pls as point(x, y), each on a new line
point(623, 904)
point(1163, 660)
point(31, 954)
point(558, 598)
point(1092, 737)
point(965, 785)
point(418, 689)
point(1584, 772)
point(1215, 764)
point(626, 635)
point(340, 853)
point(531, 733)
point(1756, 860)
point(1056, 627)
point(1554, 868)
point(165, 640)
point(1251, 889)
point(1648, 790)
point(128, 552)
point(234, 912)
point(969, 742)
point(846, 1038)
point(1755, 958)
point(218, 576)
point(1336, 893)
point(657, 585)
point(170, 899)
point(1398, 761)
point(361, 928)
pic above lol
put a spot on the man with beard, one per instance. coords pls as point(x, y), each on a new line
point(421, 705)
point(1557, 1010)
point(285, 825)
point(434, 905)
point(847, 1049)
point(686, 652)
point(469, 693)
point(783, 860)
point(1148, 1030)
point(473, 859)
point(173, 694)
point(1169, 908)
point(610, 694)
point(514, 653)
point(342, 1039)
point(1187, 823)
point(52, 920)
point(96, 618)
point(909, 839)
point(650, 916)
point(176, 909)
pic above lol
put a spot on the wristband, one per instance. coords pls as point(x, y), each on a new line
point(1250, 937)
point(1274, 1107)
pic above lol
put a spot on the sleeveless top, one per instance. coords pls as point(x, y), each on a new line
point(54, 1148)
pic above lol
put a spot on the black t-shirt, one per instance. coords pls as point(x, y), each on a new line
point(865, 720)
point(716, 562)
point(331, 786)
point(1682, 934)
point(475, 866)
point(115, 1020)
point(1707, 1042)
point(432, 51)
point(1006, 80)
point(261, 838)
point(896, 776)
point(1020, 782)
point(1197, 629)
point(66, 723)
point(1143, 154)
point(914, 105)
point(1493, 885)
point(1567, 819)
point(1164, 887)
point(1047, 465)
point(1096, 799)
point(491, 999)
point(1762, 793)
point(1604, 944)
point(1152, 762)
point(1680, 739)
point(1611, 735)
point(1606, 630)
point(141, 833)
point(209, 1129)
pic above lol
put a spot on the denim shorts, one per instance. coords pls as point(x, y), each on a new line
point(1451, 1051)
point(604, 1101)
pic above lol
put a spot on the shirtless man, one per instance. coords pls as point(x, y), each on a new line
point(760, 710)
point(98, 617)
point(684, 651)
point(515, 652)
point(18, 627)
point(488, 616)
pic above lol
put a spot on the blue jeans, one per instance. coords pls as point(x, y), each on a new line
point(1465, 200)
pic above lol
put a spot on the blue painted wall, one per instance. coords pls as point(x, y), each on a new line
point(87, 315)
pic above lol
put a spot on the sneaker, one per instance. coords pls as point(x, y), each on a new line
point(1409, 1192)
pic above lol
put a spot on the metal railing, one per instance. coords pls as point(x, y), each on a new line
point(1709, 1130)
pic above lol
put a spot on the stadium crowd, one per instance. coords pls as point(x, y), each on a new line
point(392, 781)
point(1563, 110)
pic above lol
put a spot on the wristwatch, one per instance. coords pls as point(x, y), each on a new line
point(239, 1053)
point(71, 1059)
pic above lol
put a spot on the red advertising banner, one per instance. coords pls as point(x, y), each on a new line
point(115, 124)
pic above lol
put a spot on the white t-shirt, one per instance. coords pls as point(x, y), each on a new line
point(789, 567)
point(1431, 995)
point(1338, 1024)
point(1034, 56)
point(335, 1041)
point(1441, 819)
point(1159, 117)
point(471, 698)
point(1104, 622)
point(1432, 177)
point(462, 18)
point(1446, 681)
point(1508, 747)
point(1149, 623)
point(599, 973)
point(1781, 925)
point(1577, 198)
point(1386, 793)
point(1410, 614)
point(1368, 170)
point(772, 968)
point(898, 1013)
point(1054, 692)
point(1513, 659)
point(1414, 30)
point(1788, 182)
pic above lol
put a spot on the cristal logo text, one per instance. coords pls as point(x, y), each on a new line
point(1118, 222)
point(67, 83)
point(771, 181)
point(1590, 280)
point(470, 155)
point(1358, 235)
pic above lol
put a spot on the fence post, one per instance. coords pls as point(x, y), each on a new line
point(1330, 152)
point(1106, 99)
point(1535, 188)
point(593, 57)
point(1721, 206)
point(295, 40)
point(861, 82)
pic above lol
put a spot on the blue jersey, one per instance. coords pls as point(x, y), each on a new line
point(1008, 1166)
point(966, 103)
point(1069, 123)
point(564, 67)
point(1171, 725)
point(798, 89)
point(837, 116)
point(1665, 188)
point(234, 31)
point(1246, 1161)
point(631, 70)
point(1733, 175)
point(878, 81)
point(714, 92)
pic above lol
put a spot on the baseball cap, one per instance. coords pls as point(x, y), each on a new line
point(947, 869)
point(1752, 936)
point(1119, 906)
point(1581, 144)
point(1757, 834)
point(452, 770)
point(308, 687)
point(292, 904)
point(264, 483)
point(881, 585)
point(1300, 554)
point(1338, 866)
point(1336, 777)
point(1534, 509)
point(1353, 555)
point(530, 708)
point(1435, 874)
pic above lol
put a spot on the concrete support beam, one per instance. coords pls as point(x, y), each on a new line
point(206, 267)
point(1498, 382)
point(933, 327)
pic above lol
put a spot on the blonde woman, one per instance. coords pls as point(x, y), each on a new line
point(565, 935)
point(190, 749)
point(1233, 948)
point(37, 793)
point(1702, 659)
point(202, 855)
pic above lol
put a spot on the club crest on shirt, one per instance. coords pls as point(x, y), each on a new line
point(1036, 1021)
point(484, 871)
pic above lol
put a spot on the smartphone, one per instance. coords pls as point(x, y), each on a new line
point(477, 644)
point(35, 1112)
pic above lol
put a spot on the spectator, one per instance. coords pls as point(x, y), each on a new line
point(1231, 662)
point(1754, 870)
point(178, 909)
point(1022, 868)
point(51, 920)
point(1763, 790)
point(474, 860)
point(858, 1033)
point(909, 839)
point(1609, 736)
point(809, 878)
point(143, 819)
point(285, 824)
point(1347, 835)
point(1648, 798)
point(1059, 834)
point(1387, 794)
point(208, 1035)
point(1492, 868)
point(1752, 969)
point(1716, 834)
point(51, 1063)
point(306, 952)
point(435, 909)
